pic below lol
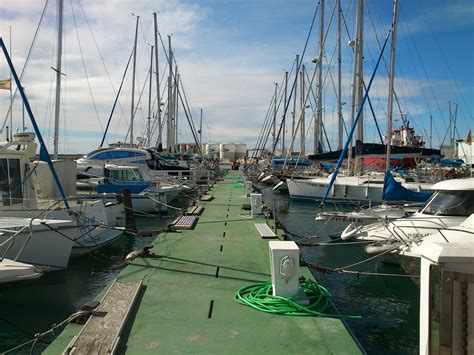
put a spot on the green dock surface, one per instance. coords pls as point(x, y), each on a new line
point(193, 268)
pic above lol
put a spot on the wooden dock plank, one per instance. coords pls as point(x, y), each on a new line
point(195, 210)
point(206, 197)
point(264, 230)
point(185, 222)
point(101, 333)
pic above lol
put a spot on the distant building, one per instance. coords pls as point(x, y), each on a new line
point(465, 152)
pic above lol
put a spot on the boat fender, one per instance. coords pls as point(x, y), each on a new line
point(137, 253)
point(374, 249)
point(350, 231)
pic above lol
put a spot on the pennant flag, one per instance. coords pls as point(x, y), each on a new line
point(469, 138)
point(5, 84)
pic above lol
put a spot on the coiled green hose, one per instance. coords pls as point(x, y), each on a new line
point(259, 296)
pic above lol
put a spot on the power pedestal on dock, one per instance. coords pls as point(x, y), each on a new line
point(284, 264)
point(248, 188)
point(256, 204)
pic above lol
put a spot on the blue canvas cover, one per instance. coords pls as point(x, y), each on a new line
point(117, 187)
point(393, 191)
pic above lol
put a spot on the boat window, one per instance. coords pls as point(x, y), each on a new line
point(138, 175)
point(88, 155)
point(451, 203)
point(125, 175)
point(10, 182)
point(118, 154)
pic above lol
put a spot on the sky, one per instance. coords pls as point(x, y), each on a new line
point(230, 54)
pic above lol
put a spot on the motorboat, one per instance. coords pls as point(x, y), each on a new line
point(409, 254)
point(332, 224)
point(27, 190)
point(147, 196)
point(450, 205)
point(149, 160)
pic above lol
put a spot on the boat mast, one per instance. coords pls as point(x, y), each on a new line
point(303, 118)
point(294, 102)
point(390, 85)
point(11, 97)
point(158, 94)
point(339, 76)
point(360, 77)
point(133, 83)
point(58, 79)
point(283, 134)
point(175, 105)
point(431, 131)
point(455, 117)
point(275, 109)
point(148, 128)
point(356, 44)
point(169, 122)
point(200, 130)
point(319, 108)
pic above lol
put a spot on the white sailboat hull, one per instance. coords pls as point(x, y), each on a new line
point(11, 271)
point(345, 189)
point(47, 243)
point(87, 234)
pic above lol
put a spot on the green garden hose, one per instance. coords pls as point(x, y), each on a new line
point(259, 296)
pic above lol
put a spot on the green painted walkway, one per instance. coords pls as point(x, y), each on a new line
point(180, 283)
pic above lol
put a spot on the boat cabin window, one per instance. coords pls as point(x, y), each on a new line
point(125, 175)
point(451, 203)
point(10, 182)
point(115, 154)
point(88, 155)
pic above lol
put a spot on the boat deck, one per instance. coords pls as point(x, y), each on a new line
point(187, 302)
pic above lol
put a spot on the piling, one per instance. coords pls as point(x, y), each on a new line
point(127, 202)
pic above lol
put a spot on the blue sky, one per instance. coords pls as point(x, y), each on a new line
point(229, 54)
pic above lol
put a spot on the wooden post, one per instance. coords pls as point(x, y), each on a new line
point(127, 202)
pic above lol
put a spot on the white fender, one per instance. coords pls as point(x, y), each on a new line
point(374, 249)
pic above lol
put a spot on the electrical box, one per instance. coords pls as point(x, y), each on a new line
point(256, 204)
point(284, 264)
point(248, 188)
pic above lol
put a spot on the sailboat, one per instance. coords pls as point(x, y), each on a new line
point(366, 186)
point(33, 188)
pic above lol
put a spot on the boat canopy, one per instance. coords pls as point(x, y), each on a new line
point(393, 191)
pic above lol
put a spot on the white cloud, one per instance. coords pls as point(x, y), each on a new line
point(230, 78)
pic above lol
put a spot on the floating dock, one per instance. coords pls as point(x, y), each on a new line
point(186, 302)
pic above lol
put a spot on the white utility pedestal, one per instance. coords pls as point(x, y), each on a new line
point(284, 264)
point(256, 204)
point(248, 188)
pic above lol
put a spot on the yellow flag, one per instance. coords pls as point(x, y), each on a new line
point(5, 84)
point(469, 138)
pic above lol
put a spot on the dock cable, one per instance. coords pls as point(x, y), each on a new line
point(85, 311)
point(162, 203)
point(343, 270)
point(315, 302)
point(328, 244)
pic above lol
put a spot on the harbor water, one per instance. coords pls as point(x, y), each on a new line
point(388, 306)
